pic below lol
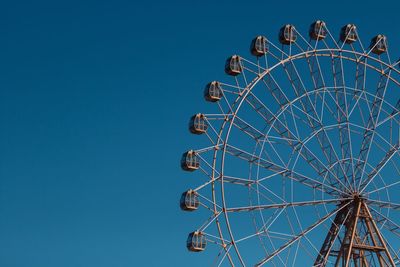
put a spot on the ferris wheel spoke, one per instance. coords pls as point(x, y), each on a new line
point(202, 159)
point(278, 235)
point(377, 134)
point(306, 103)
point(225, 254)
point(284, 205)
point(388, 156)
point(303, 179)
point(319, 82)
point(302, 230)
point(362, 95)
point(393, 252)
point(216, 239)
point(272, 193)
point(256, 135)
point(296, 127)
point(329, 34)
point(279, 139)
point(248, 237)
point(264, 193)
point(276, 55)
point(343, 115)
point(321, 168)
point(390, 226)
point(393, 114)
point(327, 106)
point(211, 203)
point(208, 120)
point(361, 114)
point(360, 80)
point(385, 222)
point(308, 44)
point(384, 204)
point(331, 238)
point(210, 220)
point(275, 90)
point(281, 98)
point(300, 235)
point(384, 187)
point(247, 128)
point(271, 220)
point(370, 131)
point(283, 131)
point(311, 255)
point(309, 117)
point(315, 71)
point(236, 180)
point(269, 117)
point(234, 88)
point(226, 101)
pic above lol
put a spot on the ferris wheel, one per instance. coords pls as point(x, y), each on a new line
point(300, 159)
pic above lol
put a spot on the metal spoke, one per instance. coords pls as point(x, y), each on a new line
point(309, 108)
point(285, 172)
point(343, 114)
point(285, 205)
point(284, 132)
point(332, 236)
point(384, 204)
point(387, 223)
point(300, 235)
point(384, 187)
point(370, 177)
point(369, 132)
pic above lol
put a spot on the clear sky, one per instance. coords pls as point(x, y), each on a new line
point(95, 98)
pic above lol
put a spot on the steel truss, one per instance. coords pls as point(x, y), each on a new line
point(361, 241)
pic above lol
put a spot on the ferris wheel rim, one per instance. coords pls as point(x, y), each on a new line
point(223, 137)
point(247, 90)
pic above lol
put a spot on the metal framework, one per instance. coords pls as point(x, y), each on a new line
point(302, 166)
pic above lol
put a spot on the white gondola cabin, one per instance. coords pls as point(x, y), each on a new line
point(233, 65)
point(259, 46)
point(348, 33)
point(213, 92)
point(198, 124)
point(318, 30)
point(189, 200)
point(196, 242)
point(190, 161)
point(378, 44)
point(287, 34)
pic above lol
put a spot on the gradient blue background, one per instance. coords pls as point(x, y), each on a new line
point(94, 102)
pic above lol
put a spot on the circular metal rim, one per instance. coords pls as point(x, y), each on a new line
point(242, 96)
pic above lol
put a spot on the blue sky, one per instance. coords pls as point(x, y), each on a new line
point(94, 102)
